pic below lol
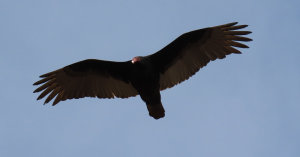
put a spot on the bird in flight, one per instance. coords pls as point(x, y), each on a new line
point(144, 75)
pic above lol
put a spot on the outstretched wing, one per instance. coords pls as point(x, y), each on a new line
point(88, 78)
point(183, 57)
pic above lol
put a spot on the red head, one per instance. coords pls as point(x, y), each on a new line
point(135, 59)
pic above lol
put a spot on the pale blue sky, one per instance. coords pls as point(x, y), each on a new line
point(244, 105)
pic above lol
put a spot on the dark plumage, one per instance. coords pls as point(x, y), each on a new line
point(144, 76)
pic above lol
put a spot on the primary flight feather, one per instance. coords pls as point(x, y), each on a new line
point(145, 76)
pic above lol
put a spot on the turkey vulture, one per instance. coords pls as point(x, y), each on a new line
point(144, 75)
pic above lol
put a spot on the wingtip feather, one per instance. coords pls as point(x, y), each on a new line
point(234, 27)
point(228, 24)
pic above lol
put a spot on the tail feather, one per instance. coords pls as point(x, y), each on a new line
point(156, 110)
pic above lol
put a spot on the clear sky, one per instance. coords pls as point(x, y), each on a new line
point(244, 105)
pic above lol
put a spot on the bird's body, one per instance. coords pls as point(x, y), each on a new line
point(145, 76)
point(146, 82)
